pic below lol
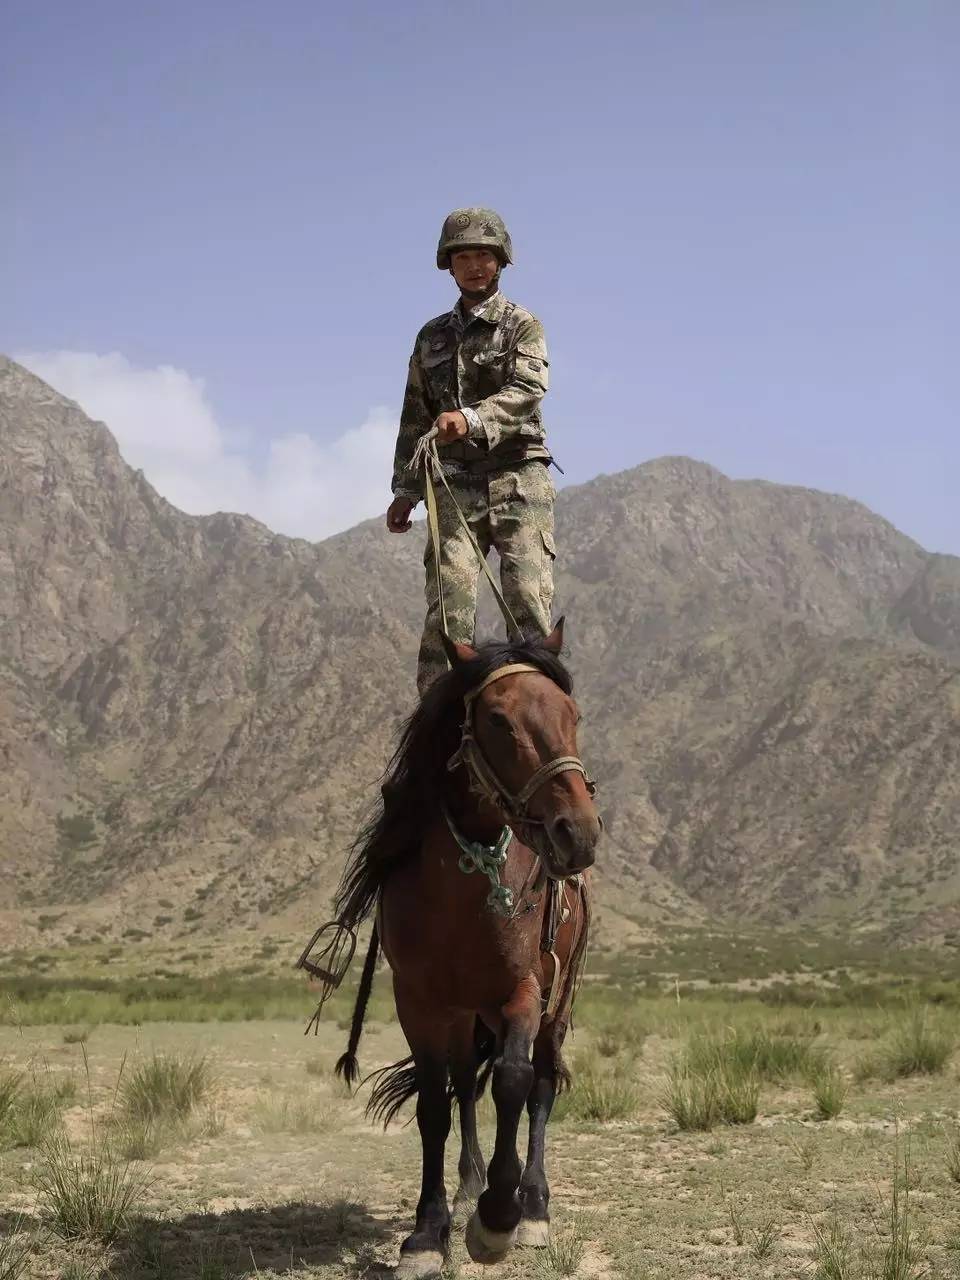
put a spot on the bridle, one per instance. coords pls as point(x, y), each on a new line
point(484, 777)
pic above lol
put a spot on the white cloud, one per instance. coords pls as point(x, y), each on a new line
point(165, 425)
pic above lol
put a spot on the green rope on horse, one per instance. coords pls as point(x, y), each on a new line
point(489, 859)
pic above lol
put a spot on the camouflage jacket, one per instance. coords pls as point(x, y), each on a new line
point(491, 363)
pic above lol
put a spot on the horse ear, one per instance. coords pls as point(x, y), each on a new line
point(456, 652)
point(554, 641)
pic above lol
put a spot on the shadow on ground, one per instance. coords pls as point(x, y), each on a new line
point(278, 1240)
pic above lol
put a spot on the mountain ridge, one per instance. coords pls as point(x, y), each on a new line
point(195, 710)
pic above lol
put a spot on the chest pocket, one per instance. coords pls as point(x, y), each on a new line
point(440, 374)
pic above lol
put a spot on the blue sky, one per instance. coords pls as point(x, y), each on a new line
point(737, 221)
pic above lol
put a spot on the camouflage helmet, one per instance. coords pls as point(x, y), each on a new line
point(473, 229)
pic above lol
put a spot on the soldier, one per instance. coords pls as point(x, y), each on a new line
point(478, 373)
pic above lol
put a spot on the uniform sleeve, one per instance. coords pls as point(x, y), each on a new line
point(415, 419)
point(507, 410)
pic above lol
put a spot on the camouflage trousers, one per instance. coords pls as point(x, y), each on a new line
point(511, 510)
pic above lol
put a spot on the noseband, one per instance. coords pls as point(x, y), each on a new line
point(483, 775)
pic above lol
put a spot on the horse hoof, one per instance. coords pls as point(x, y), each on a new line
point(533, 1233)
point(486, 1246)
point(426, 1264)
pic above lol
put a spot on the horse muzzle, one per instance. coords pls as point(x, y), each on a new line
point(573, 840)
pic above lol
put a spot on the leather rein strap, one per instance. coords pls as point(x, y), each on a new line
point(470, 754)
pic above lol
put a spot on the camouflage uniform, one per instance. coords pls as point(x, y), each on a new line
point(491, 363)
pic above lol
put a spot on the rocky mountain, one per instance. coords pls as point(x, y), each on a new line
point(194, 711)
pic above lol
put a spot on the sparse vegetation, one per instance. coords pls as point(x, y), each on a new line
point(789, 1191)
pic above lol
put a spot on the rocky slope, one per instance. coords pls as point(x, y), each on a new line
point(194, 711)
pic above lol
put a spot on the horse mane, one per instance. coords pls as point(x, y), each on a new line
point(413, 783)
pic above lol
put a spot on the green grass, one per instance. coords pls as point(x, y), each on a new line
point(70, 999)
point(756, 1051)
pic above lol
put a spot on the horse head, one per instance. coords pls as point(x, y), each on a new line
point(519, 743)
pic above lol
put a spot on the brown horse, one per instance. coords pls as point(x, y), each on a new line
point(486, 779)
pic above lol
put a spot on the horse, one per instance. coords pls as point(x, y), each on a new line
point(485, 966)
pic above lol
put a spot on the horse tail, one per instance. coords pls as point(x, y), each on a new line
point(395, 1085)
point(398, 1083)
point(347, 1066)
point(485, 1047)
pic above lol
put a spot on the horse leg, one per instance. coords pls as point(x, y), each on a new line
point(492, 1230)
point(534, 1232)
point(463, 1070)
point(422, 1253)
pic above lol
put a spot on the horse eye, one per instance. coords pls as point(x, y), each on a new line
point(499, 720)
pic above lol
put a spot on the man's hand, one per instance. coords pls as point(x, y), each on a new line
point(398, 515)
point(450, 426)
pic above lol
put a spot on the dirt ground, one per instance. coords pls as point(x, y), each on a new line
point(279, 1174)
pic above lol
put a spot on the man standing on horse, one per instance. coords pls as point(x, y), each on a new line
point(477, 375)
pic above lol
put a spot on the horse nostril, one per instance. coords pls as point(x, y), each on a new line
point(564, 831)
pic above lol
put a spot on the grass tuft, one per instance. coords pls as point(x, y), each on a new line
point(834, 1251)
point(900, 1256)
point(86, 1195)
point(830, 1090)
point(699, 1102)
point(764, 1238)
point(166, 1087)
point(30, 1113)
point(562, 1256)
point(920, 1045)
point(16, 1250)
